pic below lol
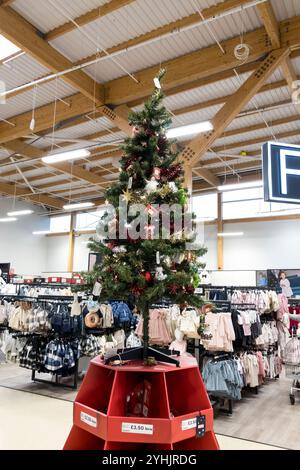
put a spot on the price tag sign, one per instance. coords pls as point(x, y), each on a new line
point(136, 428)
point(88, 419)
point(188, 424)
point(200, 426)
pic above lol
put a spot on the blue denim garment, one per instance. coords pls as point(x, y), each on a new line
point(121, 313)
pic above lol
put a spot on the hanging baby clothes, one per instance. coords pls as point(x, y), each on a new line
point(221, 328)
point(188, 323)
point(223, 379)
point(107, 315)
point(251, 369)
point(158, 330)
point(261, 368)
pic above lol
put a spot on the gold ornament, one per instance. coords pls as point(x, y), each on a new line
point(165, 190)
point(127, 196)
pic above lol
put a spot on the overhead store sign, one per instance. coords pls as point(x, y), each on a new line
point(281, 172)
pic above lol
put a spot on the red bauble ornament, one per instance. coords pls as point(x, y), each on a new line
point(148, 276)
point(110, 245)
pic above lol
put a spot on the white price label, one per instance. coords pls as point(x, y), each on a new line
point(88, 419)
point(188, 424)
point(136, 428)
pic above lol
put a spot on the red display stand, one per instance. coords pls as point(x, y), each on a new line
point(178, 396)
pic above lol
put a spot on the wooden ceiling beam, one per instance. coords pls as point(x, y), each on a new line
point(6, 3)
point(200, 64)
point(257, 127)
point(199, 146)
point(246, 143)
point(272, 27)
point(180, 111)
point(15, 28)
point(41, 199)
point(196, 65)
point(194, 19)
point(291, 77)
point(76, 105)
point(207, 175)
point(78, 172)
point(187, 68)
point(86, 18)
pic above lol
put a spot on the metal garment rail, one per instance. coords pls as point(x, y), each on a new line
point(42, 300)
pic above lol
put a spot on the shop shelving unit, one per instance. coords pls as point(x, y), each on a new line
point(178, 396)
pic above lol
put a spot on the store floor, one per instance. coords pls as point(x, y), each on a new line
point(267, 417)
point(37, 422)
point(258, 418)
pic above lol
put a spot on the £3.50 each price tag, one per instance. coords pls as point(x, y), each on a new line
point(88, 419)
point(137, 428)
point(188, 424)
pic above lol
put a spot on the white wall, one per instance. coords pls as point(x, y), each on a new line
point(25, 252)
point(210, 241)
point(56, 251)
point(81, 252)
point(274, 245)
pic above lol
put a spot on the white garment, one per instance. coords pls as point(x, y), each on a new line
point(286, 288)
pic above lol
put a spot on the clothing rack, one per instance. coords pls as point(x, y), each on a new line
point(216, 400)
point(56, 299)
point(232, 288)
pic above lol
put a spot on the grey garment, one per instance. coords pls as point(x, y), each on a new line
point(222, 379)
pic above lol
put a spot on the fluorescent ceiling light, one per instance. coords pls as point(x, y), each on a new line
point(79, 205)
point(231, 234)
point(62, 157)
point(232, 187)
point(41, 232)
point(8, 219)
point(191, 129)
point(7, 48)
point(15, 213)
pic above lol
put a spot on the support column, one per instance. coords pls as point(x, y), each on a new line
point(220, 240)
point(71, 244)
point(188, 178)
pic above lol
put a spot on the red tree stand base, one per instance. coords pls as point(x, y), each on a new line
point(178, 397)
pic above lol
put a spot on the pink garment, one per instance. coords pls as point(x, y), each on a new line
point(261, 367)
point(283, 306)
point(158, 330)
point(221, 328)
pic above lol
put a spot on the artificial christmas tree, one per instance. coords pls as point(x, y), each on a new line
point(147, 232)
point(145, 259)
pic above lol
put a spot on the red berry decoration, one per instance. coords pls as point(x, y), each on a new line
point(174, 288)
point(137, 291)
point(171, 173)
point(189, 289)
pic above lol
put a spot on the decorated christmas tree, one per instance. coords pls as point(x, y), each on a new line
point(147, 232)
